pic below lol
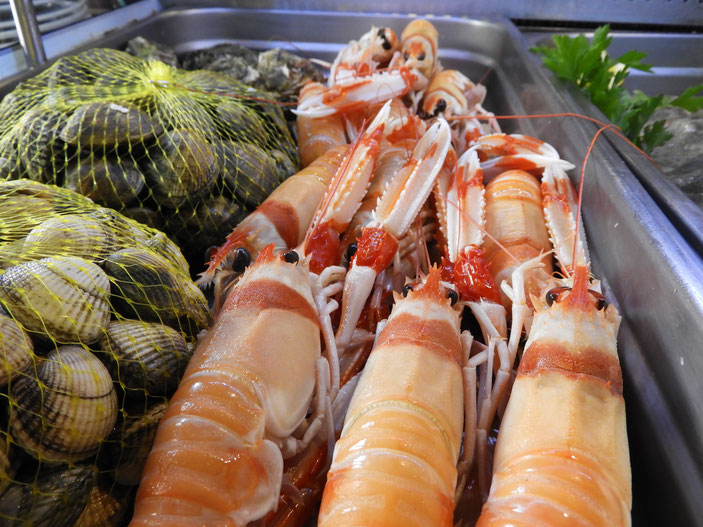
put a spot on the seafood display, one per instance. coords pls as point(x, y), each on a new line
point(405, 325)
point(97, 325)
point(189, 152)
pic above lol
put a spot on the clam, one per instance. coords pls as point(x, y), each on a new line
point(70, 235)
point(146, 216)
point(110, 181)
point(147, 286)
point(106, 507)
point(181, 167)
point(54, 499)
point(149, 50)
point(184, 112)
point(247, 171)
point(90, 66)
point(286, 167)
point(108, 123)
point(161, 244)
point(145, 358)
point(64, 412)
point(206, 225)
point(9, 152)
point(63, 298)
point(239, 122)
point(129, 454)
point(38, 142)
point(16, 350)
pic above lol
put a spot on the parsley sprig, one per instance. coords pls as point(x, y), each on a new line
point(601, 78)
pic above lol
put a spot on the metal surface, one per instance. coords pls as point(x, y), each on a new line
point(680, 12)
point(678, 65)
point(650, 271)
point(28, 31)
point(14, 64)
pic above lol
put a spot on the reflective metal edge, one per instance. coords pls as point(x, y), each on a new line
point(683, 212)
point(643, 259)
point(14, 66)
point(686, 13)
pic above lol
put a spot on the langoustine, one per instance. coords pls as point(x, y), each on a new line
point(562, 456)
point(395, 463)
point(218, 454)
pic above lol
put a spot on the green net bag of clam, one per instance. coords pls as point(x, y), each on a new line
point(187, 152)
point(98, 319)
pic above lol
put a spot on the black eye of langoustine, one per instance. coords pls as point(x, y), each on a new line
point(351, 251)
point(291, 257)
point(242, 259)
point(441, 106)
point(453, 296)
point(407, 289)
point(382, 33)
point(421, 56)
point(553, 294)
point(601, 302)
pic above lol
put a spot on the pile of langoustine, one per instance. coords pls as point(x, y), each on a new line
point(382, 408)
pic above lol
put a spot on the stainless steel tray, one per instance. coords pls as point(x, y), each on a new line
point(677, 65)
point(650, 271)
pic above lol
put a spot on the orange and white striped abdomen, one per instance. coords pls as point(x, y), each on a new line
point(514, 218)
point(562, 456)
point(215, 459)
point(317, 135)
point(395, 463)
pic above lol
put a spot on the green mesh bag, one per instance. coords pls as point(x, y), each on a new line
point(188, 152)
point(98, 319)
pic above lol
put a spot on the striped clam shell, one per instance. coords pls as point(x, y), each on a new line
point(64, 412)
point(7, 467)
point(107, 506)
point(63, 298)
point(55, 499)
point(16, 349)
point(149, 287)
point(69, 235)
point(129, 453)
point(145, 358)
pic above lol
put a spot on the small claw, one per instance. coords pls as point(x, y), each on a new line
point(357, 288)
point(533, 163)
point(358, 92)
point(409, 189)
point(560, 205)
point(465, 216)
point(495, 145)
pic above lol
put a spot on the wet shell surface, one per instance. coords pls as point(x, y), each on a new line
point(129, 453)
point(64, 413)
point(145, 358)
point(16, 351)
point(55, 499)
point(247, 171)
point(38, 142)
point(108, 123)
point(7, 467)
point(70, 235)
point(181, 167)
point(106, 507)
point(109, 181)
point(147, 286)
point(63, 298)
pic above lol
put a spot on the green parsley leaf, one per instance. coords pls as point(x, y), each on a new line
point(600, 78)
point(687, 101)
